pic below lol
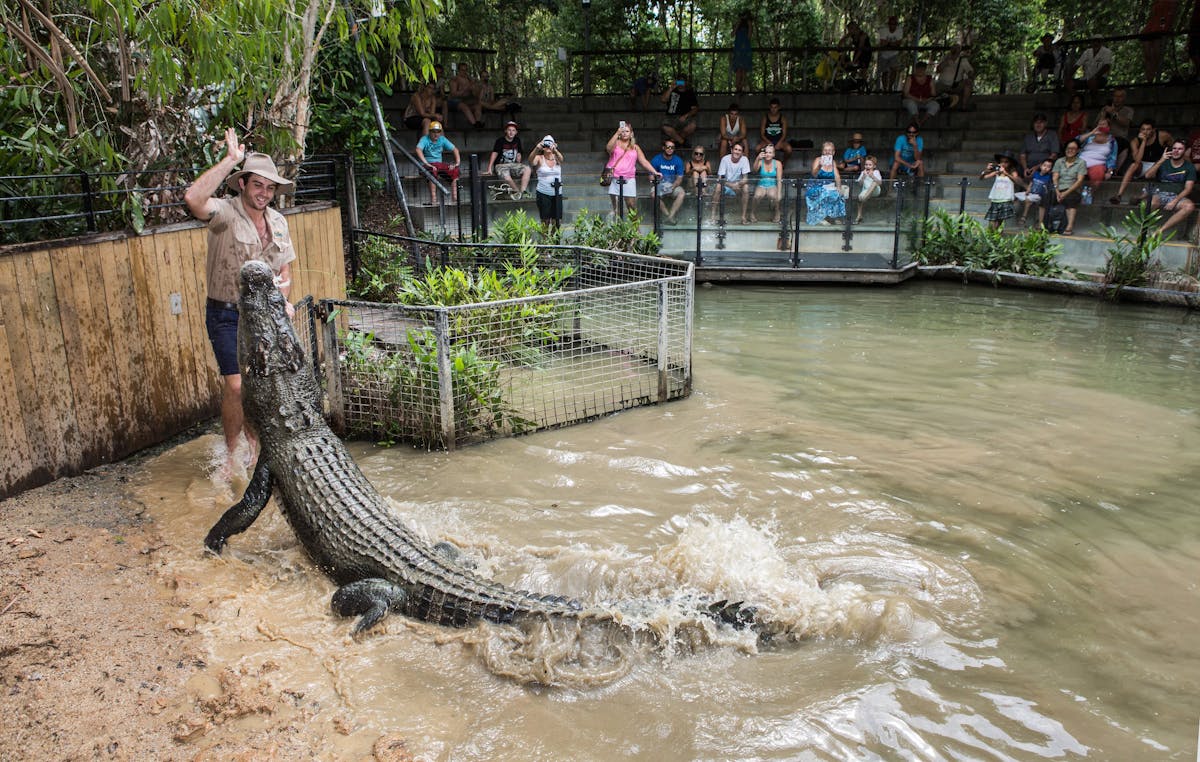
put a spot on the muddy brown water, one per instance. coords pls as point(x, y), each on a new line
point(975, 509)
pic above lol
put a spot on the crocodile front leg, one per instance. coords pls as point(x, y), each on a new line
point(239, 518)
point(372, 598)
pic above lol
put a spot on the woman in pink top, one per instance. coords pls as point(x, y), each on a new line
point(624, 155)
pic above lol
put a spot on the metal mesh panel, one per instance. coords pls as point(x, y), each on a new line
point(618, 337)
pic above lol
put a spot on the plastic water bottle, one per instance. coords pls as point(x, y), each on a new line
point(1087, 195)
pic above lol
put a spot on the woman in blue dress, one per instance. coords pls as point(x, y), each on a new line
point(742, 61)
point(823, 196)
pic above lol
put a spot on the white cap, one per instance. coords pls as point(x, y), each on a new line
point(548, 139)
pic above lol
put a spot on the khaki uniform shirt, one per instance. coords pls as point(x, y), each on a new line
point(233, 241)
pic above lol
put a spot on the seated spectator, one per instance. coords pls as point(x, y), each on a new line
point(1045, 64)
point(732, 181)
point(682, 109)
point(773, 130)
point(1074, 120)
point(1193, 142)
point(906, 154)
point(823, 198)
point(670, 185)
point(918, 94)
point(1068, 173)
point(642, 90)
point(463, 96)
point(1039, 191)
point(1146, 148)
point(956, 77)
point(698, 169)
point(488, 100)
point(431, 151)
point(857, 60)
point(851, 162)
point(870, 185)
point(887, 60)
point(1176, 177)
point(422, 109)
point(768, 172)
point(1039, 145)
point(511, 169)
point(1098, 150)
point(732, 129)
point(1094, 64)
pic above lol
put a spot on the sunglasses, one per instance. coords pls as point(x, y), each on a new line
point(859, 140)
point(697, 153)
point(912, 133)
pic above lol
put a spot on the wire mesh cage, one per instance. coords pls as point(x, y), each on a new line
point(614, 334)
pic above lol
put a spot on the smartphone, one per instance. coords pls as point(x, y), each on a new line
point(621, 125)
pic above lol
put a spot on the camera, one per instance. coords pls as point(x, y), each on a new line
point(547, 143)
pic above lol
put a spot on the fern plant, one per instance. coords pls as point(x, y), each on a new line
point(1129, 259)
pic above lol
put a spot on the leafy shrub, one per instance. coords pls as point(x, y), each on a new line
point(963, 240)
point(1128, 261)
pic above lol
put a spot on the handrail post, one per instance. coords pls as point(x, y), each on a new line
point(962, 194)
point(898, 192)
point(441, 334)
point(700, 186)
point(478, 200)
point(88, 208)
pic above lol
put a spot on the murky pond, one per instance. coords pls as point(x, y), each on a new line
point(977, 509)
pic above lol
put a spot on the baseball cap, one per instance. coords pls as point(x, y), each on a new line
point(435, 126)
point(547, 140)
point(511, 123)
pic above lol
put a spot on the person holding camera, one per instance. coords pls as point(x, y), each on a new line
point(624, 156)
point(547, 164)
point(1006, 177)
point(682, 110)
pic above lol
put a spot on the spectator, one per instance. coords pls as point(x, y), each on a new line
point(1039, 145)
point(918, 94)
point(1146, 148)
point(769, 172)
point(670, 187)
point(1039, 190)
point(431, 149)
point(956, 76)
point(1176, 178)
point(698, 169)
point(1005, 177)
point(906, 153)
point(773, 131)
point(547, 162)
point(488, 101)
point(463, 97)
point(852, 158)
point(887, 60)
point(624, 156)
point(858, 59)
point(1193, 141)
point(1074, 120)
point(1120, 117)
point(682, 109)
point(1098, 150)
point(422, 109)
point(1045, 64)
point(1068, 174)
point(642, 90)
point(1160, 23)
point(731, 179)
point(743, 55)
point(511, 169)
point(1193, 41)
point(823, 196)
point(732, 129)
point(870, 184)
point(1095, 63)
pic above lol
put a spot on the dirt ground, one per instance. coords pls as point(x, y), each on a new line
point(99, 658)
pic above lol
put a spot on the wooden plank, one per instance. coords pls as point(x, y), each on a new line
point(74, 310)
point(19, 457)
point(154, 370)
point(127, 338)
point(209, 378)
point(50, 368)
point(106, 388)
point(172, 252)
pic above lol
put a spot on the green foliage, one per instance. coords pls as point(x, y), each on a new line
point(960, 239)
point(1129, 261)
point(619, 234)
point(516, 228)
point(382, 271)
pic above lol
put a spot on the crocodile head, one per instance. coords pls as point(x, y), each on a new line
point(266, 342)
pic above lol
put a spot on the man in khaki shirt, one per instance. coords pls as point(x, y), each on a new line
point(239, 229)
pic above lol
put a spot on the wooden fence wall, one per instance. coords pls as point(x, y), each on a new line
point(103, 349)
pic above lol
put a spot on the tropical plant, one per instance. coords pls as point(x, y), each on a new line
point(1129, 260)
point(962, 239)
point(383, 270)
point(619, 234)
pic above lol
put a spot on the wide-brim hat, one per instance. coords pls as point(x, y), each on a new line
point(1012, 157)
point(259, 164)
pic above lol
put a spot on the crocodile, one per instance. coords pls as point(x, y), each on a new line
point(342, 522)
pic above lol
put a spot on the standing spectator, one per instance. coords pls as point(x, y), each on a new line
point(1074, 120)
point(731, 179)
point(1193, 41)
point(906, 153)
point(1045, 64)
point(742, 62)
point(422, 109)
point(732, 129)
point(624, 156)
point(823, 196)
point(1095, 63)
point(956, 76)
point(1005, 177)
point(1098, 149)
point(918, 94)
point(1039, 145)
point(698, 169)
point(1069, 172)
point(852, 158)
point(239, 229)
point(773, 130)
point(682, 109)
point(1146, 148)
point(670, 185)
point(870, 184)
point(1160, 23)
point(1039, 190)
point(643, 88)
point(769, 172)
point(858, 60)
point(890, 39)
point(1120, 118)
point(511, 169)
point(431, 151)
point(1176, 178)
point(463, 96)
point(547, 162)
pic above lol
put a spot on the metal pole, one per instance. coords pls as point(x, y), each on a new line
point(664, 329)
point(962, 195)
point(898, 192)
point(700, 185)
point(478, 199)
point(445, 379)
point(351, 193)
point(86, 186)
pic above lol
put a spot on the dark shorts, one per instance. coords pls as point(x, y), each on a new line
point(222, 327)
point(414, 122)
point(549, 207)
point(1071, 200)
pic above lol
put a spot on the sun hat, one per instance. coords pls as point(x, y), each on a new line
point(259, 164)
point(435, 125)
point(1006, 154)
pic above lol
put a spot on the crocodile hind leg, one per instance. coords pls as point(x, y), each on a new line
point(372, 598)
point(239, 518)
